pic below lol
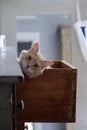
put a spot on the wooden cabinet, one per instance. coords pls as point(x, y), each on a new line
point(10, 73)
point(50, 97)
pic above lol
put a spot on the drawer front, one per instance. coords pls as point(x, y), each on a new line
point(47, 98)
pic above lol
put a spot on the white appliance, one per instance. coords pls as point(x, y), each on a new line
point(81, 31)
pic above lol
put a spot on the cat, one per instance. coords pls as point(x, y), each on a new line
point(32, 63)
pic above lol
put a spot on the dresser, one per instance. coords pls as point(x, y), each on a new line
point(10, 74)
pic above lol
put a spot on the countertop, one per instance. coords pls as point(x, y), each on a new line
point(10, 71)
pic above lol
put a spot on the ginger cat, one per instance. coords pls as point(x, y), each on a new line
point(32, 63)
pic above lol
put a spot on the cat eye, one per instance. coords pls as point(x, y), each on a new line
point(36, 65)
point(29, 57)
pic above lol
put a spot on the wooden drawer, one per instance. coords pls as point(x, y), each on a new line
point(50, 97)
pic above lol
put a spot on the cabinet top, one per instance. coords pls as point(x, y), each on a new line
point(10, 71)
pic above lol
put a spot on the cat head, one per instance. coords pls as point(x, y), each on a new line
point(32, 63)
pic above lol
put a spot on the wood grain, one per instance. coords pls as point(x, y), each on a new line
point(50, 97)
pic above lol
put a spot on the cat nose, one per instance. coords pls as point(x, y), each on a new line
point(28, 66)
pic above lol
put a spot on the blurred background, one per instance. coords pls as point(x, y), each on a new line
point(15, 22)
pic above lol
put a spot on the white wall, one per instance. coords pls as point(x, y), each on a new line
point(47, 27)
point(11, 8)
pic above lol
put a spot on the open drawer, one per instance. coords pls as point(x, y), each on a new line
point(50, 97)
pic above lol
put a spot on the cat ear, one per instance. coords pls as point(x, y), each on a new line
point(36, 47)
point(48, 63)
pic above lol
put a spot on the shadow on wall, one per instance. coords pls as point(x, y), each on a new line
point(53, 126)
point(45, 27)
